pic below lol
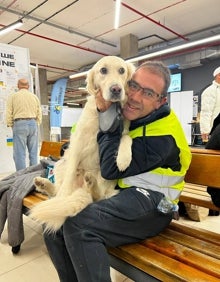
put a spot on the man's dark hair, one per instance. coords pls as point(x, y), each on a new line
point(158, 67)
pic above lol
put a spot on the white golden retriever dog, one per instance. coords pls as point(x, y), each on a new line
point(78, 181)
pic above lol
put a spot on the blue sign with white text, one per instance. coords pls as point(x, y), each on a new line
point(56, 104)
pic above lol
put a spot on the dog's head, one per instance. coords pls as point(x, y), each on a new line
point(110, 75)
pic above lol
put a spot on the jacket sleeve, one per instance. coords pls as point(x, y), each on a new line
point(9, 112)
point(39, 112)
point(147, 154)
point(214, 141)
point(207, 106)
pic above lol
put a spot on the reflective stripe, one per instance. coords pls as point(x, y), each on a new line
point(143, 179)
point(156, 182)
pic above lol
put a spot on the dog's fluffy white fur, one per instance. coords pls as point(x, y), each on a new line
point(78, 181)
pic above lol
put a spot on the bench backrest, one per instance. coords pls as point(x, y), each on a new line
point(51, 149)
point(204, 168)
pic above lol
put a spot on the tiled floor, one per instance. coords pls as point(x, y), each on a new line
point(33, 264)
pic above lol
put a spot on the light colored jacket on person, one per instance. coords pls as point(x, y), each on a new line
point(23, 104)
point(210, 107)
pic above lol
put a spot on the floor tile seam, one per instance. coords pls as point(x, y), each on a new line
point(21, 265)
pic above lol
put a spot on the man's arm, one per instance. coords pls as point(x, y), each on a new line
point(39, 112)
point(147, 154)
point(207, 107)
point(9, 112)
point(214, 141)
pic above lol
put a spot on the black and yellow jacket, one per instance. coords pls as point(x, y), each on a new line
point(160, 154)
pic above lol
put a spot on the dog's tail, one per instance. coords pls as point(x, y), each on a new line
point(52, 213)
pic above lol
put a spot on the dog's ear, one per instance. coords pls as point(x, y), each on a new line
point(90, 84)
point(131, 70)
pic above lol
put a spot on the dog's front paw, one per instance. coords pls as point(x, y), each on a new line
point(92, 187)
point(41, 183)
point(44, 186)
point(90, 180)
point(124, 156)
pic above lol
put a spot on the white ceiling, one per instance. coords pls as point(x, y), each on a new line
point(65, 36)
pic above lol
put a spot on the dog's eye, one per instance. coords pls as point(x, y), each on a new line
point(121, 70)
point(103, 70)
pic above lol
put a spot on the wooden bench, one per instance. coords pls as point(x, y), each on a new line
point(206, 172)
point(48, 149)
point(179, 253)
point(51, 149)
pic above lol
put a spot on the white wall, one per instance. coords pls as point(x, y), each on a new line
point(70, 116)
point(182, 104)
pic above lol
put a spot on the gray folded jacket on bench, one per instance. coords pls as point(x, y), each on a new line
point(13, 189)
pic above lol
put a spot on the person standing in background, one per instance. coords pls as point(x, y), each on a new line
point(23, 114)
point(210, 106)
point(214, 143)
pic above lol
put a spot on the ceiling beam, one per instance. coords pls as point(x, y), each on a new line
point(69, 29)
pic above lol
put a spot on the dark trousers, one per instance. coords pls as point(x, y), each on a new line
point(78, 249)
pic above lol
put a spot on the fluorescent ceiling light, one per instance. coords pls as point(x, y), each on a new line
point(171, 50)
point(33, 66)
point(117, 13)
point(11, 27)
point(79, 74)
point(81, 88)
point(73, 104)
point(176, 48)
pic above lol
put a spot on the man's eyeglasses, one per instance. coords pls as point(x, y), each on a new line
point(146, 92)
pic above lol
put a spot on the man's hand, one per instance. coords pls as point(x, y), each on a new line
point(205, 137)
point(101, 104)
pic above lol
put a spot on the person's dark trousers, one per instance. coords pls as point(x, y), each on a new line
point(214, 143)
point(79, 248)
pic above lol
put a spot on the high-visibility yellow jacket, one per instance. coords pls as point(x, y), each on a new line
point(162, 179)
point(160, 154)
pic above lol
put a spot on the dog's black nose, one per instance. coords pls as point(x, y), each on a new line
point(115, 91)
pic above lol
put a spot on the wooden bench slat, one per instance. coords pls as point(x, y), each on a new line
point(184, 254)
point(197, 195)
point(197, 189)
point(195, 186)
point(159, 265)
point(204, 151)
point(205, 235)
point(196, 244)
point(33, 199)
point(206, 203)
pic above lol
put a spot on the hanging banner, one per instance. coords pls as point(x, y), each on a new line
point(56, 104)
point(14, 64)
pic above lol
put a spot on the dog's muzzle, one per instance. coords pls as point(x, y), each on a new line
point(115, 91)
